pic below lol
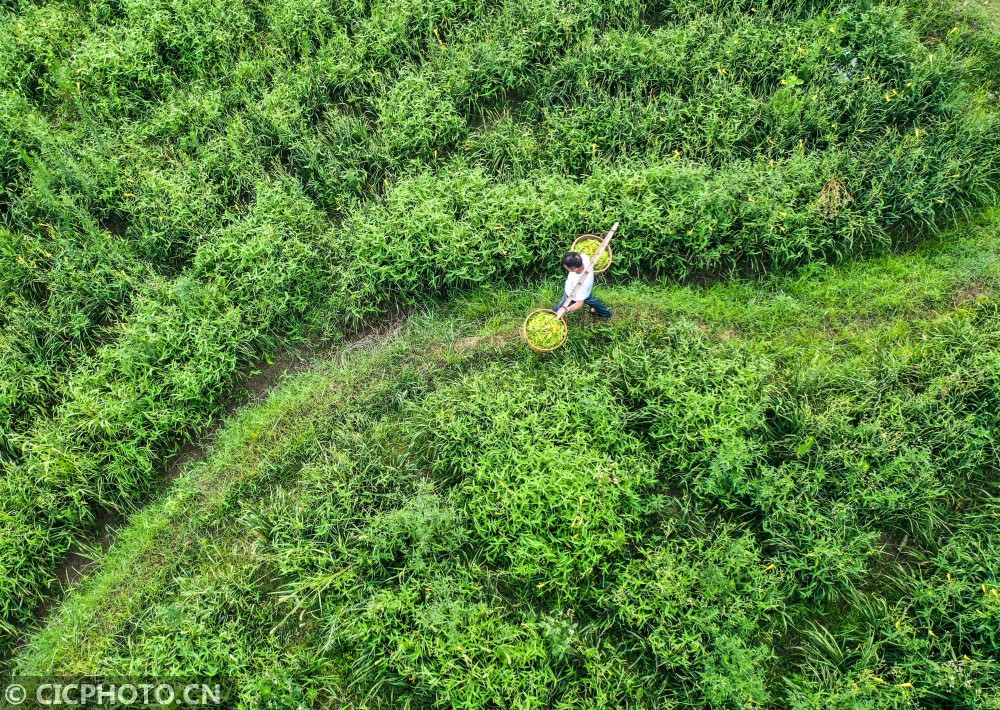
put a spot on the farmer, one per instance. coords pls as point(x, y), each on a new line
point(578, 266)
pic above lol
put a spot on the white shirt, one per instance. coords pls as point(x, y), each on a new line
point(588, 281)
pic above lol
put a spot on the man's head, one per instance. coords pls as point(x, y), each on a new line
point(573, 261)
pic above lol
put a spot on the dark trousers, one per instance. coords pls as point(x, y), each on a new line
point(592, 301)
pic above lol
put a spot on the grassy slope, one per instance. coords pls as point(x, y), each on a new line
point(185, 182)
point(791, 499)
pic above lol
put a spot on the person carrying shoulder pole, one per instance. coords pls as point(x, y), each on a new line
point(578, 267)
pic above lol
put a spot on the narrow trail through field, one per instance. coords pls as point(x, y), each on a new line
point(259, 385)
point(253, 389)
point(208, 486)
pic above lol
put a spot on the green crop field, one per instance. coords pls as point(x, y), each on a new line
point(771, 479)
point(781, 493)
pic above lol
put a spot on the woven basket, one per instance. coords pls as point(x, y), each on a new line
point(524, 332)
point(596, 238)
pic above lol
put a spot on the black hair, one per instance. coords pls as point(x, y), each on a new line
point(572, 260)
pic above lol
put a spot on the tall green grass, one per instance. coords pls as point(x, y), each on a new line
point(188, 183)
point(776, 493)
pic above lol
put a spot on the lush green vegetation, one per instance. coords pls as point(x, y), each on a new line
point(188, 184)
point(781, 493)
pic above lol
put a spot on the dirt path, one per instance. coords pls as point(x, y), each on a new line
point(251, 389)
point(993, 7)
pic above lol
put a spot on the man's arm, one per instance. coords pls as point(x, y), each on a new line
point(576, 305)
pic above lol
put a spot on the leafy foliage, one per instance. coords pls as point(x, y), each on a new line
point(785, 502)
point(188, 183)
